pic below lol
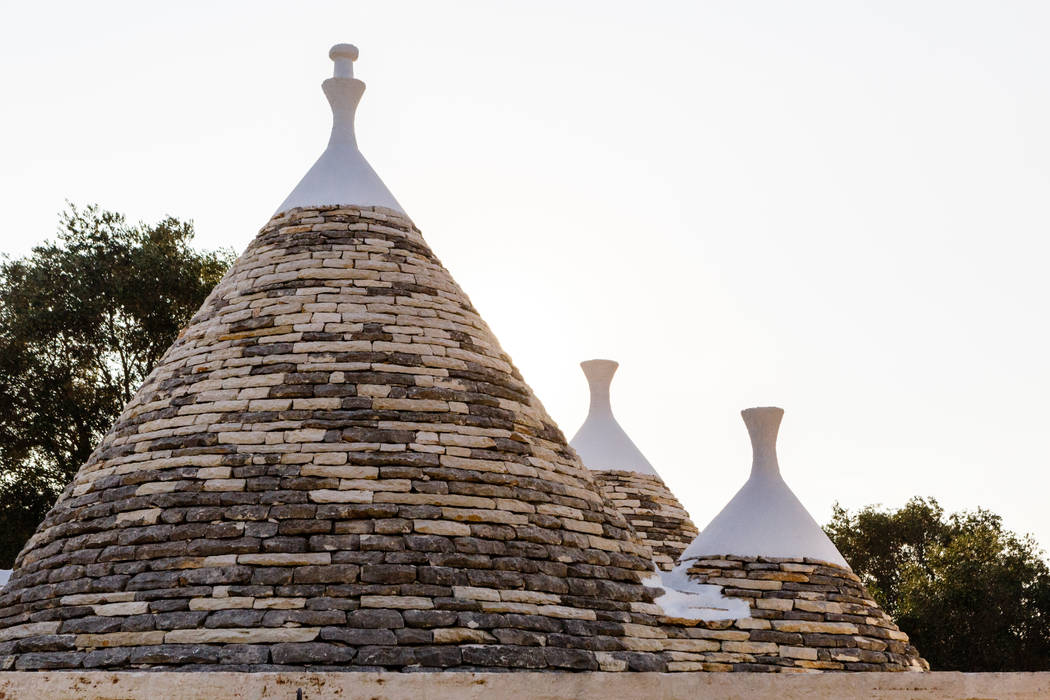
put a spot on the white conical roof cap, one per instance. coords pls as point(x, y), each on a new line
point(600, 441)
point(341, 176)
point(764, 518)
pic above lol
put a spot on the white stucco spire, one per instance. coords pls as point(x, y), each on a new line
point(600, 441)
point(341, 175)
point(764, 518)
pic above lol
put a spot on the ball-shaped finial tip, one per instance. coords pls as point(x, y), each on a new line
point(343, 51)
point(344, 56)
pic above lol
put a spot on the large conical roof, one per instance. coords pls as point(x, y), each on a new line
point(334, 466)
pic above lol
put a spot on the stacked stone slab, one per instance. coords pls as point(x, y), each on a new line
point(626, 478)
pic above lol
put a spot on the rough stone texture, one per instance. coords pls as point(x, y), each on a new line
point(97, 685)
point(657, 517)
point(334, 466)
point(806, 615)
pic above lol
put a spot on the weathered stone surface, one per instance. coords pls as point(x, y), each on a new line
point(797, 627)
point(652, 510)
point(334, 464)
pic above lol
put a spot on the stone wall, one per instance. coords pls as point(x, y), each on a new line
point(652, 510)
point(522, 686)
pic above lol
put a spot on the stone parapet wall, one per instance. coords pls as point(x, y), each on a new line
point(806, 615)
point(335, 466)
point(523, 686)
point(652, 510)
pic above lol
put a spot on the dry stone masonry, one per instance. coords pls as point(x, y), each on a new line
point(806, 615)
point(334, 466)
point(657, 517)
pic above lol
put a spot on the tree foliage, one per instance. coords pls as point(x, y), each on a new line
point(83, 320)
point(972, 595)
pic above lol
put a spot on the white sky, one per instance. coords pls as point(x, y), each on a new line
point(837, 207)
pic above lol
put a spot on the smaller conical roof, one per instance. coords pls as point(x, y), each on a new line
point(764, 518)
point(341, 176)
point(601, 442)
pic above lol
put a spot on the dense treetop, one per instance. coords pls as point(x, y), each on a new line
point(971, 595)
point(83, 320)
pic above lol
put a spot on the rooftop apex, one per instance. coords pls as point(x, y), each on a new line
point(342, 176)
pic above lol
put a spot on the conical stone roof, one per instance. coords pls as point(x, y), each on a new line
point(334, 466)
point(803, 608)
point(765, 517)
point(626, 478)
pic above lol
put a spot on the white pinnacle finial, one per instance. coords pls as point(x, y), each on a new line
point(341, 176)
point(763, 424)
point(600, 441)
point(344, 56)
point(764, 518)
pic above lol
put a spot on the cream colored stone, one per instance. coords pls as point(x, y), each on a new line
point(692, 645)
point(819, 606)
point(214, 473)
point(462, 635)
point(150, 488)
point(535, 597)
point(567, 612)
point(304, 435)
point(224, 485)
point(30, 629)
point(336, 496)
point(146, 516)
point(441, 527)
point(750, 647)
point(406, 602)
point(808, 627)
point(129, 608)
point(634, 630)
point(119, 639)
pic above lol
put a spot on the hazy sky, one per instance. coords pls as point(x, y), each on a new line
point(840, 208)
